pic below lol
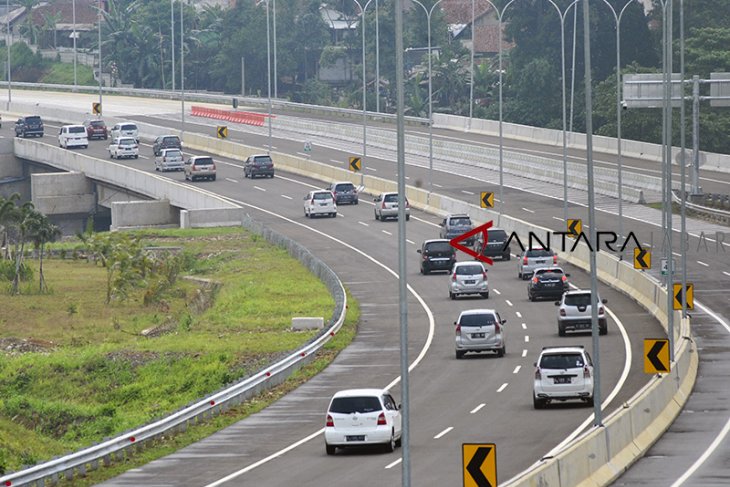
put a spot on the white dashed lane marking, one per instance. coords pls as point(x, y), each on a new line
point(524, 326)
point(726, 273)
point(411, 242)
point(527, 338)
point(371, 169)
point(287, 197)
point(437, 185)
point(502, 387)
point(524, 352)
point(260, 189)
point(496, 291)
point(702, 263)
point(386, 232)
point(443, 433)
point(466, 192)
point(528, 211)
point(476, 409)
point(519, 315)
point(364, 224)
point(509, 303)
point(517, 369)
point(558, 219)
point(391, 465)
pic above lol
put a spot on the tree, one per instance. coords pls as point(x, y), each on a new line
point(7, 216)
point(50, 21)
point(124, 259)
point(28, 26)
point(24, 218)
point(42, 231)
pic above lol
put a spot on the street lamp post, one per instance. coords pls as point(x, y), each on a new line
point(73, 14)
point(99, 16)
point(172, 39)
point(428, 13)
point(7, 43)
point(377, 59)
point(268, 71)
point(363, 8)
point(276, 76)
point(683, 207)
point(182, 66)
point(471, 70)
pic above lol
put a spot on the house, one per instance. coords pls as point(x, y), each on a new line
point(335, 66)
point(54, 21)
point(486, 26)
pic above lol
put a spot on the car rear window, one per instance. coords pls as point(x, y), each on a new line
point(322, 196)
point(461, 221)
point(34, 119)
point(468, 270)
point(561, 361)
point(262, 160)
point(173, 153)
point(128, 126)
point(578, 299)
point(76, 130)
point(171, 140)
point(391, 198)
point(345, 187)
point(97, 123)
point(203, 161)
point(127, 142)
point(438, 247)
point(359, 404)
point(539, 253)
point(485, 319)
point(497, 235)
point(541, 272)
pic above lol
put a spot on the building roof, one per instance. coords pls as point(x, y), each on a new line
point(336, 20)
point(86, 13)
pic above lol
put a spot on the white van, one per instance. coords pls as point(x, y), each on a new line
point(73, 136)
point(125, 129)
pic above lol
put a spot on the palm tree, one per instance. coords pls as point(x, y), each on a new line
point(7, 215)
point(25, 217)
point(28, 12)
point(42, 232)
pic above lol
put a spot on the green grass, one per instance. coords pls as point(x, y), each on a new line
point(98, 376)
point(63, 74)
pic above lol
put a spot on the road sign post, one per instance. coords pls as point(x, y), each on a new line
point(479, 464)
point(656, 356)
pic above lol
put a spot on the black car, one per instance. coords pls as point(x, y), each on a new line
point(29, 126)
point(345, 192)
point(547, 282)
point(437, 255)
point(166, 142)
point(454, 225)
point(258, 165)
point(496, 245)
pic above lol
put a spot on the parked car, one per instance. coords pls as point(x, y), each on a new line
point(436, 255)
point(73, 136)
point(496, 245)
point(547, 282)
point(531, 259)
point(468, 277)
point(575, 312)
point(199, 167)
point(480, 330)
point(170, 160)
point(361, 417)
point(454, 225)
point(345, 192)
point(561, 374)
point(123, 148)
point(386, 206)
point(30, 126)
point(96, 129)
point(320, 202)
point(166, 142)
point(125, 129)
point(258, 165)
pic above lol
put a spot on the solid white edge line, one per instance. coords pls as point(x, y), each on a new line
point(528, 211)
point(364, 224)
point(386, 232)
point(414, 364)
point(232, 180)
point(503, 387)
point(476, 409)
point(393, 464)
point(726, 273)
point(411, 242)
point(443, 433)
point(260, 189)
point(702, 263)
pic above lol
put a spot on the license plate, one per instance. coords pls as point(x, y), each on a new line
point(323, 204)
point(355, 438)
point(477, 335)
point(562, 380)
point(540, 262)
point(469, 282)
point(549, 284)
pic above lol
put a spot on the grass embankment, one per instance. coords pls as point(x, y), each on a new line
point(94, 374)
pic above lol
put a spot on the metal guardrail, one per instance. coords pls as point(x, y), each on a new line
point(715, 214)
point(88, 459)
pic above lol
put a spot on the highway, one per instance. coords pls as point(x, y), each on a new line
point(445, 393)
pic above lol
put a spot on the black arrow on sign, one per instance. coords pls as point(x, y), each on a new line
point(653, 356)
point(678, 296)
point(222, 132)
point(475, 466)
point(573, 224)
point(640, 258)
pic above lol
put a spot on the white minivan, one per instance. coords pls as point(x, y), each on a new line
point(320, 202)
point(125, 129)
point(73, 136)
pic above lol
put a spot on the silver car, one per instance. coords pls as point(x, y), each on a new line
point(532, 259)
point(469, 277)
point(200, 167)
point(480, 330)
point(575, 312)
point(386, 206)
point(169, 160)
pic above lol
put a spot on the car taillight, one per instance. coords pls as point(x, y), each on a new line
point(562, 312)
point(538, 376)
point(534, 280)
point(383, 204)
point(497, 327)
point(586, 372)
point(408, 205)
point(330, 422)
point(564, 279)
point(524, 260)
point(555, 259)
point(453, 277)
point(381, 419)
point(214, 166)
point(458, 330)
point(601, 310)
point(484, 275)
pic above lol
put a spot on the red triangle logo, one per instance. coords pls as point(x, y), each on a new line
point(484, 230)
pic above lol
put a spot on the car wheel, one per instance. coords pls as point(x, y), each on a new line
point(157, 169)
point(212, 178)
point(452, 295)
point(408, 217)
point(537, 402)
point(603, 331)
point(530, 297)
point(459, 355)
point(376, 215)
point(86, 147)
point(399, 442)
point(137, 156)
point(502, 351)
point(330, 449)
point(561, 330)
point(356, 201)
point(589, 402)
point(507, 256)
point(425, 271)
point(485, 295)
point(390, 446)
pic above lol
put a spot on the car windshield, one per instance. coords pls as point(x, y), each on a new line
point(261, 160)
point(484, 319)
point(172, 153)
point(77, 129)
point(460, 221)
point(345, 187)
point(391, 198)
point(545, 272)
point(497, 236)
point(578, 299)
point(438, 247)
point(203, 161)
point(128, 126)
point(539, 253)
point(561, 361)
point(469, 270)
point(349, 405)
point(322, 196)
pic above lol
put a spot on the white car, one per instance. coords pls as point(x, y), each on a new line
point(358, 417)
point(480, 330)
point(320, 202)
point(125, 129)
point(73, 136)
point(170, 160)
point(563, 373)
point(468, 277)
point(124, 147)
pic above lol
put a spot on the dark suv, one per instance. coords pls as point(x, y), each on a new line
point(436, 255)
point(454, 225)
point(345, 192)
point(258, 165)
point(496, 244)
point(547, 282)
point(166, 142)
point(27, 126)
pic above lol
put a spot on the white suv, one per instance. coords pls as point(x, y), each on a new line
point(320, 202)
point(359, 417)
point(563, 373)
point(468, 277)
point(575, 312)
point(73, 136)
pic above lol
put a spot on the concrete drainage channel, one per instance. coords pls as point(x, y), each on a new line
point(597, 457)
